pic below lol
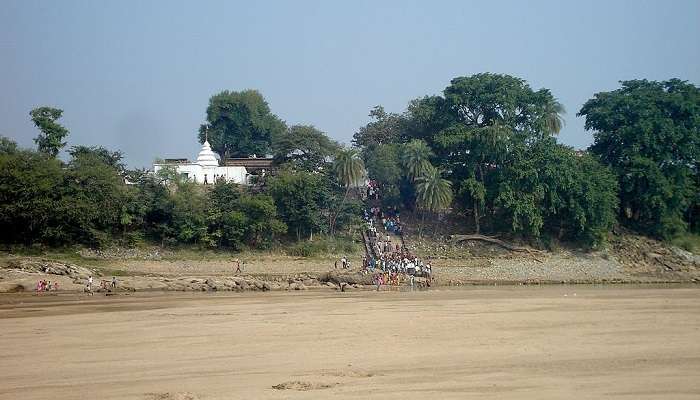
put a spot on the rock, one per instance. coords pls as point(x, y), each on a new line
point(309, 282)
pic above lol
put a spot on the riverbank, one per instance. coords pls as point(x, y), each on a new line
point(628, 259)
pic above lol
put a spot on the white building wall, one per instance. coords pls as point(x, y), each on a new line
point(197, 173)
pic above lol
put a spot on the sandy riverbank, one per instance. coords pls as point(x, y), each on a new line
point(521, 342)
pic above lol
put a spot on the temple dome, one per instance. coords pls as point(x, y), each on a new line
point(206, 157)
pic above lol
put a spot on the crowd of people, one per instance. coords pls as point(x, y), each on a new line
point(372, 191)
point(46, 286)
point(391, 262)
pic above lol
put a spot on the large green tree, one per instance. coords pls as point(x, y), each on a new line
point(30, 190)
point(304, 147)
point(240, 124)
point(649, 133)
point(491, 120)
point(551, 189)
point(384, 128)
point(50, 140)
point(303, 201)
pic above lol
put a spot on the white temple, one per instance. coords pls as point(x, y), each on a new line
point(206, 169)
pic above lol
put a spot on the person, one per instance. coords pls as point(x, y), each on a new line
point(89, 284)
point(344, 262)
point(55, 286)
point(114, 282)
point(49, 286)
point(238, 266)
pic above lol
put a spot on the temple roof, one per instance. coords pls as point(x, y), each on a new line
point(206, 157)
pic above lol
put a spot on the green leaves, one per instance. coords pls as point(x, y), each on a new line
point(304, 147)
point(240, 124)
point(433, 193)
point(415, 157)
point(649, 133)
point(50, 141)
point(349, 167)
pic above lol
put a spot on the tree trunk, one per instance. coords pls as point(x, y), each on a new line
point(476, 216)
point(422, 222)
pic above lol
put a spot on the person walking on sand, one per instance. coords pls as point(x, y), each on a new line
point(114, 282)
point(89, 285)
point(238, 266)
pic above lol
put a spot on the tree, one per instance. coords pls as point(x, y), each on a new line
point(554, 120)
point(649, 133)
point(433, 193)
point(384, 167)
point(302, 200)
point(262, 224)
point(111, 158)
point(30, 189)
point(240, 124)
point(8, 146)
point(50, 140)
point(384, 129)
point(475, 192)
point(93, 196)
point(415, 158)
point(550, 189)
point(490, 120)
point(304, 147)
point(349, 170)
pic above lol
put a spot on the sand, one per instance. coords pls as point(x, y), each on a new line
point(555, 342)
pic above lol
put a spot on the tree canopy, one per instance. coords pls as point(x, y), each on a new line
point(50, 140)
point(240, 124)
point(304, 147)
point(649, 133)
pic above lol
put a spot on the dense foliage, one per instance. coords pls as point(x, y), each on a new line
point(240, 124)
point(649, 133)
point(485, 148)
point(492, 135)
point(94, 200)
point(50, 141)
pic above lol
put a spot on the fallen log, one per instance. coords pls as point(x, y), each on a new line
point(494, 240)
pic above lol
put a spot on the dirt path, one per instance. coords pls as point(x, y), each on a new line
point(526, 343)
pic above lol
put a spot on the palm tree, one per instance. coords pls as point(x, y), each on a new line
point(350, 170)
point(554, 119)
point(433, 193)
point(414, 158)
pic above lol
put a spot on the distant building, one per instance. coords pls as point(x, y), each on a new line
point(254, 165)
point(206, 169)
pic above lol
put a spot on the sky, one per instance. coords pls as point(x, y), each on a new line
point(137, 76)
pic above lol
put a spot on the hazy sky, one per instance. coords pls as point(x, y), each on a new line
point(137, 75)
